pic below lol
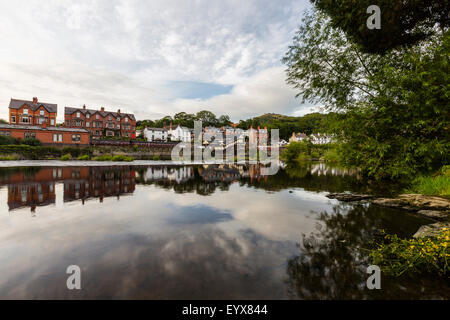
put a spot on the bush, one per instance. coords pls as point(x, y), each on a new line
point(31, 142)
point(104, 157)
point(5, 140)
point(414, 256)
point(437, 185)
point(9, 158)
point(121, 157)
point(293, 150)
point(66, 157)
point(83, 157)
point(156, 157)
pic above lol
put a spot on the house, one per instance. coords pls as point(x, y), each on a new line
point(59, 136)
point(33, 112)
point(101, 123)
point(297, 137)
point(156, 134)
point(317, 138)
point(179, 133)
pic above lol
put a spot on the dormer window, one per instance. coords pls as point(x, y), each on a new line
point(96, 116)
point(41, 112)
point(109, 118)
point(25, 111)
point(126, 119)
point(118, 118)
point(78, 114)
point(88, 116)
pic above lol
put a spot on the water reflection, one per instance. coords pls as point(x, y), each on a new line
point(192, 232)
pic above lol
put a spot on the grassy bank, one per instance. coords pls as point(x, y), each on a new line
point(437, 184)
point(27, 152)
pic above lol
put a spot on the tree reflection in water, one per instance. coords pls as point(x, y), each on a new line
point(333, 259)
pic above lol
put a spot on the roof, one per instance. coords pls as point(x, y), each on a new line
point(69, 110)
point(17, 104)
point(25, 127)
point(156, 129)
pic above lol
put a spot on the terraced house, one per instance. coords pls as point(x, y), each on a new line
point(32, 112)
point(101, 123)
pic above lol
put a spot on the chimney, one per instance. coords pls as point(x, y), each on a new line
point(84, 106)
point(35, 100)
point(102, 109)
point(118, 111)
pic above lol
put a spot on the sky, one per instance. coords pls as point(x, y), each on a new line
point(151, 58)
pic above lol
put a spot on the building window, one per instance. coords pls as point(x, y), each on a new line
point(25, 111)
point(88, 116)
point(41, 120)
point(109, 118)
point(118, 118)
point(28, 135)
point(109, 133)
point(76, 138)
point(96, 116)
point(78, 114)
point(52, 122)
point(57, 137)
point(5, 133)
point(118, 126)
point(97, 132)
point(126, 119)
point(87, 124)
point(25, 119)
point(13, 119)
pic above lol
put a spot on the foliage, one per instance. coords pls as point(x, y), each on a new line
point(5, 140)
point(84, 157)
point(298, 151)
point(3, 121)
point(31, 142)
point(437, 185)
point(103, 157)
point(393, 118)
point(403, 23)
point(121, 157)
point(41, 152)
point(156, 157)
point(187, 120)
point(11, 157)
point(66, 157)
point(414, 256)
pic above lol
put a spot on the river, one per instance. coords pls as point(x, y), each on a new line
point(194, 232)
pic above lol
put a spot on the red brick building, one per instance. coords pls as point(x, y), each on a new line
point(47, 135)
point(23, 112)
point(101, 123)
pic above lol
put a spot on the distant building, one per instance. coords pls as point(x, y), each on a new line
point(317, 138)
point(33, 112)
point(179, 133)
point(101, 123)
point(156, 134)
point(297, 137)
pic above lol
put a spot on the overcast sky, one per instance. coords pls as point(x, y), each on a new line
point(152, 58)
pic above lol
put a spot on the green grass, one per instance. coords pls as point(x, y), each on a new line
point(84, 157)
point(11, 157)
point(437, 185)
point(66, 157)
point(121, 157)
point(104, 157)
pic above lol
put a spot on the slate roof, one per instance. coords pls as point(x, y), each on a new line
point(25, 127)
point(69, 110)
point(17, 104)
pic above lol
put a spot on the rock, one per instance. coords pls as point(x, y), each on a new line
point(418, 202)
point(434, 214)
point(431, 230)
point(347, 197)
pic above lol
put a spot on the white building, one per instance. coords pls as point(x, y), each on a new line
point(317, 138)
point(179, 133)
point(156, 134)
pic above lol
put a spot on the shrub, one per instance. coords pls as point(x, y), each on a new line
point(414, 256)
point(66, 157)
point(11, 157)
point(5, 140)
point(437, 185)
point(121, 157)
point(103, 157)
point(31, 142)
point(293, 150)
point(156, 157)
point(83, 157)
point(331, 155)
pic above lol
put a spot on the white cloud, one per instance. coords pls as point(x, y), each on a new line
point(122, 53)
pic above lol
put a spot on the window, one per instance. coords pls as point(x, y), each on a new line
point(111, 125)
point(79, 123)
point(126, 119)
point(25, 119)
point(28, 135)
point(97, 132)
point(52, 122)
point(13, 119)
point(25, 111)
point(87, 124)
point(118, 126)
point(57, 137)
point(88, 115)
point(68, 123)
point(5, 133)
point(41, 112)
point(109, 118)
point(109, 133)
point(118, 118)
point(96, 116)
point(76, 138)
point(41, 120)
point(78, 114)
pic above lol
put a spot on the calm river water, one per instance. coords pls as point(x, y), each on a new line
point(193, 232)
